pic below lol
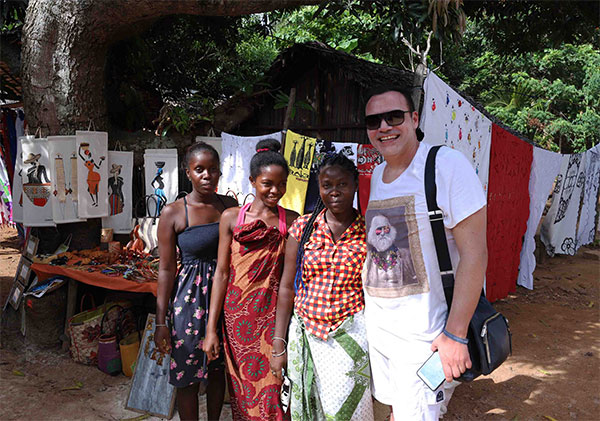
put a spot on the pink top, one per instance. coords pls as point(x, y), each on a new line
point(282, 223)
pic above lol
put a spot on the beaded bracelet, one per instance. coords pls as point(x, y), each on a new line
point(455, 338)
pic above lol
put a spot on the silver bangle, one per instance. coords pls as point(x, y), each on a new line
point(281, 339)
point(280, 354)
point(161, 325)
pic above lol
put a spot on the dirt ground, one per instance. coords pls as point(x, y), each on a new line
point(553, 374)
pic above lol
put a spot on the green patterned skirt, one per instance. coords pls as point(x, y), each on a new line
point(330, 379)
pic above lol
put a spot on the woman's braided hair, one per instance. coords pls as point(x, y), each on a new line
point(331, 160)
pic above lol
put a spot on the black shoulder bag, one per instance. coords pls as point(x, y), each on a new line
point(489, 336)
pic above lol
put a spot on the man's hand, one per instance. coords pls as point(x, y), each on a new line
point(455, 356)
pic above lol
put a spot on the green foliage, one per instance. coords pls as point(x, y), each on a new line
point(552, 96)
point(12, 15)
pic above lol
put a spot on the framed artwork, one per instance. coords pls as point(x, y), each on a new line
point(63, 166)
point(17, 182)
point(37, 187)
point(150, 392)
point(120, 198)
point(16, 294)
point(23, 271)
point(162, 178)
point(92, 173)
point(31, 246)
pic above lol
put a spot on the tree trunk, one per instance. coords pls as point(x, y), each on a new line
point(65, 45)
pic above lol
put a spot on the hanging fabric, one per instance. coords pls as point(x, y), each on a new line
point(120, 198)
point(37, 187)
point(17, 184)
point(558, 232)
point(9, 153)
point(63, 167)
point(92, 172)
point(544, 169)
point(368, 159)
point(587, 219)
point(5, 194)
point(322, 148)
point(299, 151)
point(448, 119)
point(507, 210)
point(235, 162)
point(162, 177)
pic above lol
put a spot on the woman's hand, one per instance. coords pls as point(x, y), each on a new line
point(277, 364)
point(162, 339)
point(211, 346)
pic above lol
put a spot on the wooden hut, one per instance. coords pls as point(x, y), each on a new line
point(332, 82)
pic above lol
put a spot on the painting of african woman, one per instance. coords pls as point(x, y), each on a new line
point(92, 173)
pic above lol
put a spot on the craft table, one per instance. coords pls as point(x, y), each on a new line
point(95, 278)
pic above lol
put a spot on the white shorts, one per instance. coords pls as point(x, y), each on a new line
point(396, 383)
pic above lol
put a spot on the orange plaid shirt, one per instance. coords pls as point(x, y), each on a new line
point(333, 288)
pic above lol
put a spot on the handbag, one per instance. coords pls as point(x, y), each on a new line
point(84, 329)
point(489, 336)
point(109, 357)
point(147, 226)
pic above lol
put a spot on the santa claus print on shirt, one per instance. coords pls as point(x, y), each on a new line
point(394, 266)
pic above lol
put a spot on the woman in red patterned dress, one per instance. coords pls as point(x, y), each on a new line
point(245, 285)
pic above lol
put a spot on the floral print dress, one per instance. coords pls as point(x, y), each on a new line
point(188, 308)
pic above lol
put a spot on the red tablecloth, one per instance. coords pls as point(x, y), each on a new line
point(93, 278)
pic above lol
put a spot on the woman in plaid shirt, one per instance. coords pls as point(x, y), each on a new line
point(326, 350)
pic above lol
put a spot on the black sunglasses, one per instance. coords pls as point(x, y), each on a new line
point(392, 118)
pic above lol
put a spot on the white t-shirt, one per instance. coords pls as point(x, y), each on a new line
point(405, 303)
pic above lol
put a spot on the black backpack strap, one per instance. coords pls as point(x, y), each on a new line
point(436, 219)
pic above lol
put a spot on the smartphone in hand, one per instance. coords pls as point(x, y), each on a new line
point(431, 372)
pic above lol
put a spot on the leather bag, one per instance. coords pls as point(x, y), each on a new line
point(489, 336)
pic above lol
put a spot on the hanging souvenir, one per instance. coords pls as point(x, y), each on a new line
point(92, 172)
point(544, 168)
point(587, 218)
point(17, 184)
point(558, 232)
point(162, 177)
point(235, 163)
point(37, 187)
point(368, 159)
point(5, 195)
point(299, 151)
point(63, 167)
point(448, 119)
point(120, 198)
point(507, 210)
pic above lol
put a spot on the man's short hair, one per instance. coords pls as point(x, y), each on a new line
point(407, 93)
point(381, 89)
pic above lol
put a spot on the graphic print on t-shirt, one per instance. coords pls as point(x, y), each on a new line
point(394, 266)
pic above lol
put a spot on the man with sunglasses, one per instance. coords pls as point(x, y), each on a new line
point(406, 322)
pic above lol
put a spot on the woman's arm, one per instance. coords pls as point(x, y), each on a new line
point(167, 270)
point(219, 283)
point(285, 304)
